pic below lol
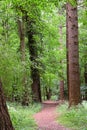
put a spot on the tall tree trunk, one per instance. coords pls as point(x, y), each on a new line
point(5, 122)
point(36, 90)
point(21, 29)
point(22, 37)
point(61, 90)
point(67, 48)
point(73, 56)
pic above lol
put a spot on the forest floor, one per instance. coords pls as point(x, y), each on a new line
point(46, 118)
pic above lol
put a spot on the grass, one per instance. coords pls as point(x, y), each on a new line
point(22, 117)
point(75, 118)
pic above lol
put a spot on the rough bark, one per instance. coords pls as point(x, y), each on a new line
point(36, 90)
point(5, 122)
point(73, 56)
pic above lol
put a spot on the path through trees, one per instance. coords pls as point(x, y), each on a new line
point(46, 118)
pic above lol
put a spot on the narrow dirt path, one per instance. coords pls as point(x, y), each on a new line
point(46, 119)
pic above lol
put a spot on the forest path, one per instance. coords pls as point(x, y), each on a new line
point(46, 118)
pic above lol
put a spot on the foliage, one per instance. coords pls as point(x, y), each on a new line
point(75, 118)
point(22, 117)
point(48, 15)
point(11, 67)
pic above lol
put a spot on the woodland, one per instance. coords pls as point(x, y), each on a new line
point(43, 56)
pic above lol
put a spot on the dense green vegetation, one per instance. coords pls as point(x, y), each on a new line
point(51, 52)
point(33, 58)
point(12, 69)
point(22, 117)
point(75, 118)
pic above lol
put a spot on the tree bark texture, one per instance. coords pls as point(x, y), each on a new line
point(73, 56)
point(36, 90)
point(5, 122)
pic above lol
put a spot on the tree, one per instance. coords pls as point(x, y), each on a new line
point(21, 30)
point(5, 122)
point(44, 46)
point(67, 49)
point(35, 75)
point(61, 90)
point(85, 74)
point(73, 55)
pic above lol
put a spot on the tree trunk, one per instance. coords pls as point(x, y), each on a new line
point(36, 90)
point(48, 93)
point(67, 48)
point(22, 37)
point(5, 122)
point(61, 90)
point(73, 56)
point(85, 74)
point(21, 29)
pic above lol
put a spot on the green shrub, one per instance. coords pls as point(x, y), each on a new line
point(74, 117)
point(22, 117)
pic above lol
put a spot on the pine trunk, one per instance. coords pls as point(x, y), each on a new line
point(73, 56)
point(5, 122)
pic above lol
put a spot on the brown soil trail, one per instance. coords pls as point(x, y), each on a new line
point(46, 118)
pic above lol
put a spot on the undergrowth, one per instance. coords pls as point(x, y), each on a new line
point(22, 117)
point(75, 118)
